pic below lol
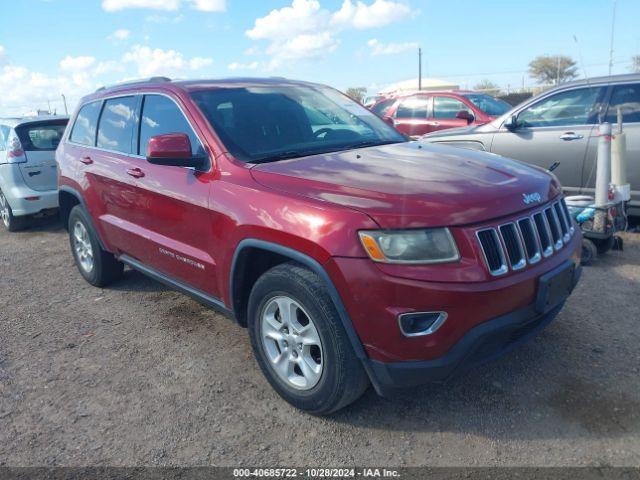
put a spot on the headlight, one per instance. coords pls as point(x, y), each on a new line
point(435, 245)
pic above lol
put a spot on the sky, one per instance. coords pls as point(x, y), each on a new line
point(53, 47)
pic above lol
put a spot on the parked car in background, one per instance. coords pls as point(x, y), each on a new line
point(350, 254)
point(28, 175)
point(561, 125)
point(420, 113)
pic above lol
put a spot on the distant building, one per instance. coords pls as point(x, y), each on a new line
point(411, 85)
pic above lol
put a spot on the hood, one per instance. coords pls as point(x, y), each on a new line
point(410, 184)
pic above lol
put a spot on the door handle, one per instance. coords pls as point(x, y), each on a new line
point(135, 172)
point(86, 160)
point(567, 137)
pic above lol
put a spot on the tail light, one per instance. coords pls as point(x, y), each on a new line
point(15, 153)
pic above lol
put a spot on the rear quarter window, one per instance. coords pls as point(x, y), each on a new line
point(84, 128)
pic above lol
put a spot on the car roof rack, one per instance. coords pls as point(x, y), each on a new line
point(136, 82)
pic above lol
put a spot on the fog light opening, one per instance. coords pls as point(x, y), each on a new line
point(416, 324)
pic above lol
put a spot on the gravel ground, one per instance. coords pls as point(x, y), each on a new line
point(137, 374)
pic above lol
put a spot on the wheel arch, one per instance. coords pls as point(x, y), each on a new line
point(243, 275)
point(68, 198)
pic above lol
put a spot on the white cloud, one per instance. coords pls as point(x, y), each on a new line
point(379, 48)
point(120, 35)
point(210, 5)
point(243, 66)
point(378, 14)
point(115, 5)
point(167, 5)
point(152, 62)
point(76, 64)
point(305, 30)
point(3, 55)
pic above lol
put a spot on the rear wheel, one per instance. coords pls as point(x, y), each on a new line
point(97, 266)
point(10, 222)
point(589, 252)
point(300, 343)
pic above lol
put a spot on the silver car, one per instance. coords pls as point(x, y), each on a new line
point(28, 175)
point(561, 125)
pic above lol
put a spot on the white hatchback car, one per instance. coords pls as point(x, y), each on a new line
point(28, 174)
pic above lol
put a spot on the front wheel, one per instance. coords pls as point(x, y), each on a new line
point(300, 343)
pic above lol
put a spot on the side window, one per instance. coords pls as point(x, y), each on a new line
point(447, 107)
point(4, 134)
point(381, 108)
point(413, 107)
point(160, 115)
point(117, 124)
point(84, 128)
point(574, 107)
point(627, 99)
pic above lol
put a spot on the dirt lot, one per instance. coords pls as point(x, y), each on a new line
point(139, 375)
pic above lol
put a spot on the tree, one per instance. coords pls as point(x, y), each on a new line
point(553, 69)
point(635, 63)
point(488, 87)
point(357, 93)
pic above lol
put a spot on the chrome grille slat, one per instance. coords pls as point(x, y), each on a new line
point(530, 239)
point(554, 227)
point(564, 226)
point(510, 246)
point(513, 244)
point(492, 251)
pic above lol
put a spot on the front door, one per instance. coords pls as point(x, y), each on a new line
point(174, 210)
point(444, 113)
point(558, 128)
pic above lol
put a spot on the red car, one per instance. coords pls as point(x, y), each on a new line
point(425, 112)
point(351, 255)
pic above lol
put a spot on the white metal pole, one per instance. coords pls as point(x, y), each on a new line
point(603, 165)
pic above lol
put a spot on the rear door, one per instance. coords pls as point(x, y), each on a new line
point(104, 156)
point(561, 127)
point(411, 115)
point(445, 109)
point(39, 141)
point(625, 97)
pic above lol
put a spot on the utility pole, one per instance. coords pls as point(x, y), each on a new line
point(558, 72)
point(64, 101)
point(613, 25)
point(419, 68)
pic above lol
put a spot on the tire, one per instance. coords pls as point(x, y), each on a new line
point(589, 252)
point(603, 246)
point(9, 221)
point(97, 266)
point(341, 379)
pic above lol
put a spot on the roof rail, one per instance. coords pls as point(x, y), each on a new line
point(136, 82)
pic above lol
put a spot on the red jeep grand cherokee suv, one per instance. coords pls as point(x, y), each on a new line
point(352, 255)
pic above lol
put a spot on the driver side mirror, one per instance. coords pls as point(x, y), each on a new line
point(173, 149)
point(511, 123)
point(465, 115)
point(389, 121)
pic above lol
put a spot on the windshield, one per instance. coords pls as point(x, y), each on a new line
point(41, 136)
point(488, 104)
point(266, 123)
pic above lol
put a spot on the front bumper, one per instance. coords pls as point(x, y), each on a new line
point(481, 344)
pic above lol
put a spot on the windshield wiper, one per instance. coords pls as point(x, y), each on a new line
point(280, 156)
point(370, 143)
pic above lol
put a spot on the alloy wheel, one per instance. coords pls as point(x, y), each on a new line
point(292, 343)
point(82, 246)
point(4, 210)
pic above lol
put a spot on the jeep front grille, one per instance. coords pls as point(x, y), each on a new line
point(526, 240)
